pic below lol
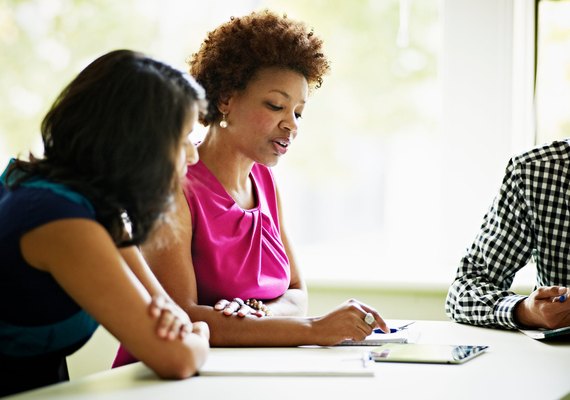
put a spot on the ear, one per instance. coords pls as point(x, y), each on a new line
point(224, 103)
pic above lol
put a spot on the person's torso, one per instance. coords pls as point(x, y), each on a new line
point(545, 180)
point(235, 252)
point(37, 317)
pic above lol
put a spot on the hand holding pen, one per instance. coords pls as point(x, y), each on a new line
point(564, 292)
point(546, 307)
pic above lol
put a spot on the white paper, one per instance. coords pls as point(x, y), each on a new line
point(303, 362)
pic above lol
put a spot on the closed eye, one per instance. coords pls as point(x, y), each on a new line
point(274, 107)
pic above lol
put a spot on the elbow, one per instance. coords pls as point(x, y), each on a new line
point(183, 364)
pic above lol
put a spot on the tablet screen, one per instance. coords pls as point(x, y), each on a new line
point(426, 353)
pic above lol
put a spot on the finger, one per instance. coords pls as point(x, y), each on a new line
point(156, 305)
point(200, 328)
point(563, 293)
point(174, 329)
point(185, 329)
point(164, 323)
point(231, 308)
point(220, 305)
point(363, 330)
point(547, 292)
point(244, 310)
point(379, 321)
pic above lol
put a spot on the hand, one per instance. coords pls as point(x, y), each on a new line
point(346, 322)
point(544, 308)
point(173, 322)
point(236, 306)
point(201, 329)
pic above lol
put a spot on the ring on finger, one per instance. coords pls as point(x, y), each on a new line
point(369, 319)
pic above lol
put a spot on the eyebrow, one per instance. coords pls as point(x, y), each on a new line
point(285, 94)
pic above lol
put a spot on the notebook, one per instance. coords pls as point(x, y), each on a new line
point(540, 334)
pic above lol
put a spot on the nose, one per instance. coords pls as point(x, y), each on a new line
point(290, 125)
point(192, 156)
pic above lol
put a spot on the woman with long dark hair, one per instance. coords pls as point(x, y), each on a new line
point(116, 146)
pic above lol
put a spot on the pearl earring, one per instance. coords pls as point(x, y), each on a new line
point(223, 122)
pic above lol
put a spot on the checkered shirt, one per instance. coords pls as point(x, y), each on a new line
point(530, 215)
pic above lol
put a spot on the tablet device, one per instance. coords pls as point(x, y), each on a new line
point(426, 353)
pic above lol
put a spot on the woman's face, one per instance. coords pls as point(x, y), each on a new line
point(263, 119)
point(187, 152)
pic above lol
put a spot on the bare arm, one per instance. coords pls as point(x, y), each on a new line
point(172, 322)
point(82, 258)
point(172, 264)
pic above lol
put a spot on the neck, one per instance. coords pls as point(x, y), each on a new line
point(228, 165)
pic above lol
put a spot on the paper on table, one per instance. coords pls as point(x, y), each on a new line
point(402, 335)
point(282, 363)
point(540, 334)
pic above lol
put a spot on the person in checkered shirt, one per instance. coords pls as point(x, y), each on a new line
point(529, 218)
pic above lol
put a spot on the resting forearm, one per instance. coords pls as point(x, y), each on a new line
point(475, 302)
point(228, 331)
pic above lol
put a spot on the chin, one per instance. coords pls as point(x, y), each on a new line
point(271, 163)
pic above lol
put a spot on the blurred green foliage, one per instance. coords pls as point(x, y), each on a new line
point(376, 88)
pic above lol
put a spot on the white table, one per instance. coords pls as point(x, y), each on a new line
point(515, 367)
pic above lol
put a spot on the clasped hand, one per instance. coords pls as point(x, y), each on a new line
point(172, 322)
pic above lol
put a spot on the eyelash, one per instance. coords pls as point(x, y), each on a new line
point(277, 108)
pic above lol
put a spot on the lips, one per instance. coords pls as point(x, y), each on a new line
point(281, 145)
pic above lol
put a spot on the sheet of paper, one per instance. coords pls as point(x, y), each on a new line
point(405, 333)
point(540, 334)
point(304, 362)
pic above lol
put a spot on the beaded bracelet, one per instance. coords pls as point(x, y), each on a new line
point(259, 306)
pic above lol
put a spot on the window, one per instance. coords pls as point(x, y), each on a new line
point(399, 153)
point(553, 71)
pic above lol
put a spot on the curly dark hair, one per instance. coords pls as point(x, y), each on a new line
point(232, 53)
point(112, 135)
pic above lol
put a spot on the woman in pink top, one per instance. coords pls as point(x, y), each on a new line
point(257, 71)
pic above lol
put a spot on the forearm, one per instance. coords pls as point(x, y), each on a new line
point(473, 301)
point(140, 268)
point(228, 331)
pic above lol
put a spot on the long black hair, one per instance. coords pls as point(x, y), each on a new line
point(113, 135)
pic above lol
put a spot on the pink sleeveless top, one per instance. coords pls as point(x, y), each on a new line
point(236, 252)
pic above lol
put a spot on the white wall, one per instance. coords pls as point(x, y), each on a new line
point(487, 107)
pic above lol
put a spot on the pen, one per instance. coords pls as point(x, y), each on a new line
point(563, 297)
point(394, 330)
